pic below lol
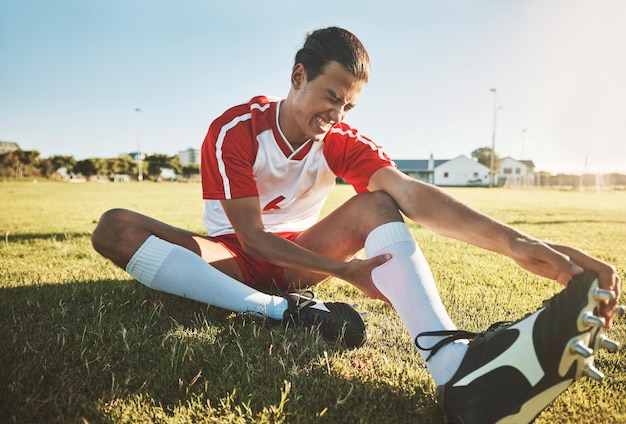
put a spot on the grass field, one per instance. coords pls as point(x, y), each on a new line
point(80, 341)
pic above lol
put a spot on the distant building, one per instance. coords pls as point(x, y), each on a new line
point(420, 169)
point(460, 171)
point(516, 172)
point(121, 178)
point(8, 146)
point(191, 156)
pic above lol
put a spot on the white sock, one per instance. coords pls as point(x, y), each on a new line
point(408, 283)
point(173, 269)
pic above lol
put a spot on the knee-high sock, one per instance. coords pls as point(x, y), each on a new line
point(173, 269)
point(407, 281)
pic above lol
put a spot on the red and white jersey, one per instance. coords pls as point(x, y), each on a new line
point(246, 155)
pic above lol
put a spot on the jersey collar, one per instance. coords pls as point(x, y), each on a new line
point(284, 145)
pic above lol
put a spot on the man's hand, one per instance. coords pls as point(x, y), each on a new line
point(562, 263)
point(608, 279)
point(359, 273)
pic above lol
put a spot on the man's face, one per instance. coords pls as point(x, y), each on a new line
point(321, 103)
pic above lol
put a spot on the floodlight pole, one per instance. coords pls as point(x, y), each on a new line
point(493, 137)
point(139, 158)
point(523, 139)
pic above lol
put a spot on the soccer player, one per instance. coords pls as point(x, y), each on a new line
point(267, 167)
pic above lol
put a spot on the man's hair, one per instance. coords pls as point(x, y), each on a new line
point(333, 44)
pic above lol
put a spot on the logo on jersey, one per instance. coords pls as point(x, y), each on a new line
point(273, 205)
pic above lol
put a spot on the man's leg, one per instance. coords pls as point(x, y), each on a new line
point(507, 374)
point(408, 283)
point(405, 281)
point(179, 262)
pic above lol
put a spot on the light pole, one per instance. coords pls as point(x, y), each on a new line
point(139, 158)
point(493, 137)
point(523, 139)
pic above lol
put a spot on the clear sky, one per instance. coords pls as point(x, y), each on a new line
point(73, 72)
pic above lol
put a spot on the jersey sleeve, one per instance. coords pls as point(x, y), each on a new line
point(354, 157)
point(228, 153)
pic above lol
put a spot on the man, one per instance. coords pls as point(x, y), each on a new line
point(267, 167)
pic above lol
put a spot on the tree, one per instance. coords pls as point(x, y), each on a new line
point(90, 167)
point(21, 162)
point(85, 167)
point(158, 162)
point(155, 164)
point(189, 171)
point(46, 168)
point(174, 163)
point(483, 155)
point(10, 164)
point(28, 157)
point(122, 165)
point(59, 161)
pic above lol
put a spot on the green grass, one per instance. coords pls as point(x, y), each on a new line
point(80, 341)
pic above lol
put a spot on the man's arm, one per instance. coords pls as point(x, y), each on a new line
point(436, 210)
point(245, 217)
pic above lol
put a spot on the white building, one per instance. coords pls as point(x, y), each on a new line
point(461, 171)
point(516, 172)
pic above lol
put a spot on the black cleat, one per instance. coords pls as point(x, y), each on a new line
point(512, 372)
point(335, 320)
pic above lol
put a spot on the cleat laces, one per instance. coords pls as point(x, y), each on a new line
point(452, 335)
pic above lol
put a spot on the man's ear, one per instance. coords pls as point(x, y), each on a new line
point(298, 76)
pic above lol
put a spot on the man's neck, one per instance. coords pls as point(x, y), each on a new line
point(283, 127)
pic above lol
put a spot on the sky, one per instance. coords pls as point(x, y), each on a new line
point(96, 78)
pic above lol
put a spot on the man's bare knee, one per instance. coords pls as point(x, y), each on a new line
point(384, 200)
point(108, 223)
point(108, 232)
point(380, 207)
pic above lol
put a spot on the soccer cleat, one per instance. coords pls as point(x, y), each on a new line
point(512, 372)
point(335, 320)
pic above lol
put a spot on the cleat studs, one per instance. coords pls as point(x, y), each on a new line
point(590, 320)
point(608, 344)
point(579, 348)
point(363, 314)
point(599, 295)
point(592, 372)
point(355, 306)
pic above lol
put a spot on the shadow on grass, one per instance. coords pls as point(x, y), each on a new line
point(565, 221)
point(19, 238)
point(102, 350)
